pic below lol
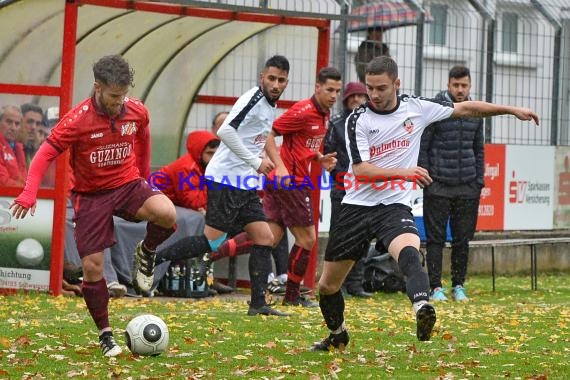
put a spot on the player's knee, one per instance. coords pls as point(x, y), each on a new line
point(264, 238)
point(326, 288)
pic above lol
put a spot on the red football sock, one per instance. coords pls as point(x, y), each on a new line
point(96, 298)
point(238, 245)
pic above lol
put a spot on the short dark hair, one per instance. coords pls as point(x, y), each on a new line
point(383, 65)
point(459, 71)
point(29, 107)
point(212, 144)
point(328, 73)
point(218, 115)
point(113, 70)
point(279, 62)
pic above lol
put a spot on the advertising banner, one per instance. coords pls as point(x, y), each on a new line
point(25, 247)
point(492, 202)
point(529, 194)
point(562, 187)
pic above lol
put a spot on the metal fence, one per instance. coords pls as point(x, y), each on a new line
point(517, 50)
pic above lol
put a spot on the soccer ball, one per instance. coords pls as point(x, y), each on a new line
point(29, 252)
point(146, 334)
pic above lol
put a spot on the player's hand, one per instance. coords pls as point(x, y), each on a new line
point(202, 210)
point(266, 166)
point(328, 161)
point(20, 212)
point(418, 175)
point(525, 114)
point(282, 177)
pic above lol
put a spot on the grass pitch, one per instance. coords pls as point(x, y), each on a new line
point(513, 333)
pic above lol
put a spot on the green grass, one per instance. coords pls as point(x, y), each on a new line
point(514, 333)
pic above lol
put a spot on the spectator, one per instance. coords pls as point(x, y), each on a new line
point(32, 123)
point(371, 47)
point(218, 121)
point(354, 95)
point(452, 151)
point(108, 135)
point(12, 157)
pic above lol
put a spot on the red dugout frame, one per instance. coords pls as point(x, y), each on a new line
point(65, 90)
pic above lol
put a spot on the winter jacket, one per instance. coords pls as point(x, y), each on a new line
point(12, 164)
point(452, 150)
point(335, 142)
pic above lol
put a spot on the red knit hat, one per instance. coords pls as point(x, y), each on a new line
point(353, 88)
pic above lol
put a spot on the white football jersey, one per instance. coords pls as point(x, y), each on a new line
point(388, 140)
point(252, 117)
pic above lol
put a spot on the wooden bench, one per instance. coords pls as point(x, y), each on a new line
point(532, 243)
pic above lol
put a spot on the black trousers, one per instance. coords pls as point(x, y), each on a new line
point(353, 280)
point(462, 216)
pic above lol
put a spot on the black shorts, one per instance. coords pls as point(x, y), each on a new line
point(231, 209)
point(356, 226)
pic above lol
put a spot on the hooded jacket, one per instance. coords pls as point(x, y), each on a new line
point(185, 185)
point(452, 150)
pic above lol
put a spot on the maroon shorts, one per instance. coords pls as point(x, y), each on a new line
point(289, 208)
point(94, 228)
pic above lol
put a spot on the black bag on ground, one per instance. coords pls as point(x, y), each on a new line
point(382, 274)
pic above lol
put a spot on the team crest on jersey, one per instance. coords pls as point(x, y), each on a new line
point(408, 125)
point(260, 139)
point(129, 128)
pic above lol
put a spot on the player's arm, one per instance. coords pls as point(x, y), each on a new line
point(273, 154)
point(39, 165)
point(143, 151)
point(474, 108)
point(228, 134)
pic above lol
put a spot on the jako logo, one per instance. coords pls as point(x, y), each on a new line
point(373, 131)
point(96, 135)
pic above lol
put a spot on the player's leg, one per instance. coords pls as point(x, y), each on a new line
point(331, 302)
point(294, 210)
point(305, 237)
point(260, 267)
point(93, 233)
point(160, 213)
point(436, 214)
point(347, 238)
point(405, 250)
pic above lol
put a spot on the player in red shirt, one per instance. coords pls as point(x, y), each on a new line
point(303, 127)
point(108, 136)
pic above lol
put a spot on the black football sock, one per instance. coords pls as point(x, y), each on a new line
point(185, 248)
point(417, 281)
point(259, 269)
point(332, 308)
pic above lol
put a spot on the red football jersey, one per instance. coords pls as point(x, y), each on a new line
point(303, 127)
point(105, 152)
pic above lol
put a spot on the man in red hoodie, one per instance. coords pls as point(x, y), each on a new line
point(181, 179)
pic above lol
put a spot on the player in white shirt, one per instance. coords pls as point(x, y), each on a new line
point(382, 139)
point(232, 205)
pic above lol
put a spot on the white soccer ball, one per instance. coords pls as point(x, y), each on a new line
point(29, 252)
point(147, 334)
